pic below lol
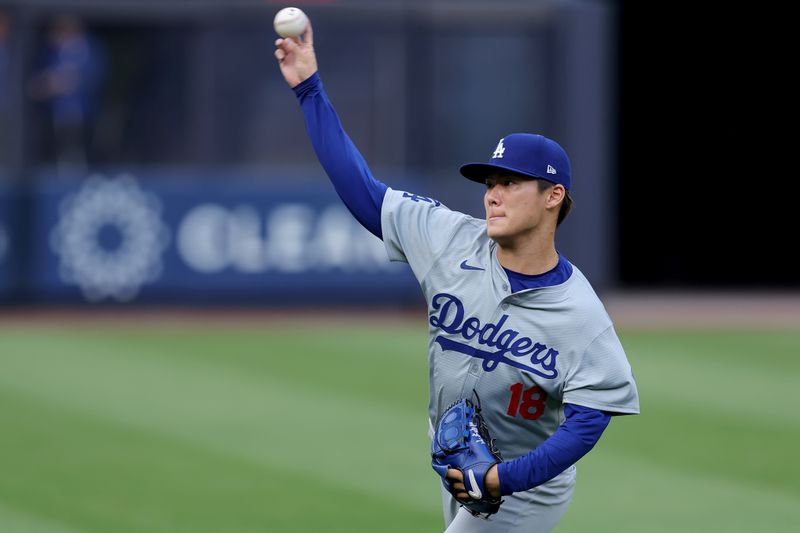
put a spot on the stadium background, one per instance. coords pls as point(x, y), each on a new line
point(180, 288)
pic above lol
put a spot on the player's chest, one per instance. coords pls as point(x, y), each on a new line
point(486, 335)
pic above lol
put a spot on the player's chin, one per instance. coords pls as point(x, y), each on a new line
point(495, 227)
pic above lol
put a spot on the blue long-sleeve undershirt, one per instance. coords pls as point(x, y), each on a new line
point(346, 168)
point(363, 195)
point(572, 440)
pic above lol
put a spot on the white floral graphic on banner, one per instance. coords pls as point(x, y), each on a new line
point(110, 238)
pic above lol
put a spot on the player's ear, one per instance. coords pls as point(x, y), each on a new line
point(555, 195)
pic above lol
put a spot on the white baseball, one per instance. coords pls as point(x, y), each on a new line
point(290, 22)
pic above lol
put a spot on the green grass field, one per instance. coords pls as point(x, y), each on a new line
point(302, 429)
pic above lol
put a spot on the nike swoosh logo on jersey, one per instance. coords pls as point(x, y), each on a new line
point(475, 491)
point(465, 266)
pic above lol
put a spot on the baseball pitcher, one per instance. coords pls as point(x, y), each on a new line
point(526, 369)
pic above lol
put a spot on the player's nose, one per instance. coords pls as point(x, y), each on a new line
point(492, 195)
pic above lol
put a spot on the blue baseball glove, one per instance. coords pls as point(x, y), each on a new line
point(462, 442)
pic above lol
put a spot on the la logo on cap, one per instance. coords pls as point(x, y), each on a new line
point(498, 152)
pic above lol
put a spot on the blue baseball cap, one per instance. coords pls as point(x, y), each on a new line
point(527, 154)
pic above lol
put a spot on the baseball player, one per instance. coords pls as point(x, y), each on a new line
point(509, 317)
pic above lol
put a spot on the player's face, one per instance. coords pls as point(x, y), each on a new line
point(514, 207)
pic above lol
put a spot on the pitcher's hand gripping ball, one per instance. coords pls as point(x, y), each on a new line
point(462, 442)
point(290, 22)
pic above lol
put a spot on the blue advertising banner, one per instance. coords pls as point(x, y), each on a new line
point(149, 239)
point(7, 241)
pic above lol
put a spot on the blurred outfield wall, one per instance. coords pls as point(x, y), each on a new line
point(194, 112)
point(118, 238)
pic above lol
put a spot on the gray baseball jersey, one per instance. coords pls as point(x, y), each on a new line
point(525, 353)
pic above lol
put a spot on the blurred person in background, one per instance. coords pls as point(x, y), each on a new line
point(67, 85)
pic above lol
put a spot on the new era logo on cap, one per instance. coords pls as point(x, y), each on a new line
point(524, 154)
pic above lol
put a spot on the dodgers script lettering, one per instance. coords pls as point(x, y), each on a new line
point(449, 317)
